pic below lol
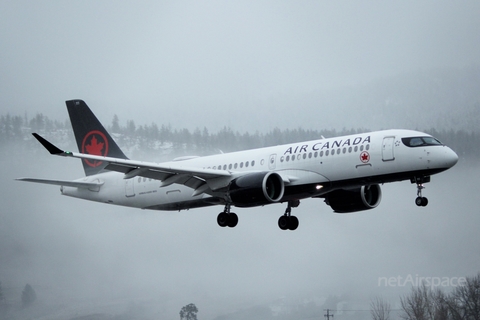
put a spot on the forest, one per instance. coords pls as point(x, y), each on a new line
point(141, 140)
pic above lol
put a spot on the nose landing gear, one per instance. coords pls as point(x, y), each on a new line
point(420, 200)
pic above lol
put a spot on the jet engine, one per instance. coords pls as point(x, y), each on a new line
point(256, 189)
point(351, 200)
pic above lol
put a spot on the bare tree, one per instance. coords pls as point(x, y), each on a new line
point(414, 305)
point(424, 303)
point(464, 302)
point(380, 309)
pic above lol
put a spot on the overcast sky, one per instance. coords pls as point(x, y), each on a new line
point(212, 64)
point(195, 64)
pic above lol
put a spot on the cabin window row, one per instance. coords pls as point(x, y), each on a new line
point(234, 165)
point(326, 153)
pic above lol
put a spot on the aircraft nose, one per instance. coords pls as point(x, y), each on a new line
point(451, 158)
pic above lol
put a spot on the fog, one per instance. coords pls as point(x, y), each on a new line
point(249, 66)
point(86, 258)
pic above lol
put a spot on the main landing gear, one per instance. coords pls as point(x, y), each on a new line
point(420, 200)
point(227, 218)
point(287, 221)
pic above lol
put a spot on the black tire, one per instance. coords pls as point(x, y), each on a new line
point(222, 219)
point(419, 201)
point(424, 202)
point(283, 222)
point(293, 223)
point(232, 220)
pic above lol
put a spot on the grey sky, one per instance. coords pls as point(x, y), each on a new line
point(212, 64)
point(217, 63)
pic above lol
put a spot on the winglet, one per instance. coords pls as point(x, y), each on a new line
point(49, 146)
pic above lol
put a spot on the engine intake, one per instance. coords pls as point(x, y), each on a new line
point(363, 198)
point(256, 189)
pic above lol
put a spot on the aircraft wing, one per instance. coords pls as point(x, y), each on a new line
point(195, 178)
point(65, 183)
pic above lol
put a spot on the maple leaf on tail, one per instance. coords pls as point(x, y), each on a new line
point(94, 148)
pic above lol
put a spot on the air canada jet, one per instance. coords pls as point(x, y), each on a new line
point(344, 171)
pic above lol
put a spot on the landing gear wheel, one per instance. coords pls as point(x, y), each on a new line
point(222, 219)
point(288, 223)
point(227, 218)
point(283, 222)
point(232, 220)
point(293, 223)
point(421, 201)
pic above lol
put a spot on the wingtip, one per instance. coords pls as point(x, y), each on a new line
point(49, 146)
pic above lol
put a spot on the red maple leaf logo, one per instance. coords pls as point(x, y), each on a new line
point(97, 146)
point(365, 157)
point(94, 147)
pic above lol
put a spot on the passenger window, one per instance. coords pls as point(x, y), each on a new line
point(333, 152)
point(253, 163)
point(235, 166)
point(246, 164)
point(288, 158)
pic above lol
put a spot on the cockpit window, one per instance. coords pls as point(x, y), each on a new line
point(421, 142)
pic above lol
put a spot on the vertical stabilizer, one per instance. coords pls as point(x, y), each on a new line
point(91, 136)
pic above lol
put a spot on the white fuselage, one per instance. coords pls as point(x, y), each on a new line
point(309, 169)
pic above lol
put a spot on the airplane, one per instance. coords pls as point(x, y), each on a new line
point(345, 171)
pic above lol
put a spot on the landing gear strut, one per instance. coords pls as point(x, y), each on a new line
point(227, 218)
point(287, 221)
point(420, 200)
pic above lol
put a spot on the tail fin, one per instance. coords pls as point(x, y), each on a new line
point(91, 136)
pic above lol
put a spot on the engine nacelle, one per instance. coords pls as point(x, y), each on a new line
point(363, 198)
point(256, 189)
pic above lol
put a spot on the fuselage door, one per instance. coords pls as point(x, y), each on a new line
point(129, 189)
point(272, 161)
point(387, 149)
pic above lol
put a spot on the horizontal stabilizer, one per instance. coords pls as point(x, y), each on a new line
point(73, 184)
